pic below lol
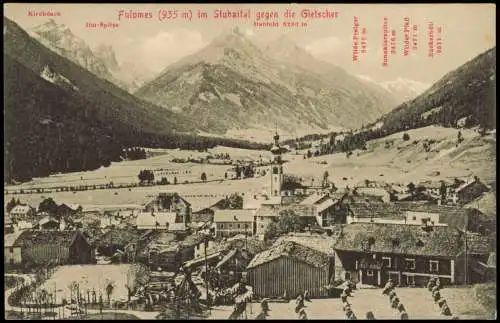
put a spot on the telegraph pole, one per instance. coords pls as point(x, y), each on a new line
point(206, 271)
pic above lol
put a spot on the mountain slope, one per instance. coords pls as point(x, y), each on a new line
point(467, 93)
point(232, 83)
point(101, 61)
point(60, 117)
point(114, 105)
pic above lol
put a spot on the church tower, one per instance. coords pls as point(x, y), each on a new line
point(276, 171)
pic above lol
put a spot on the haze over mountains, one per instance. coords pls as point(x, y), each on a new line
point(232, 83)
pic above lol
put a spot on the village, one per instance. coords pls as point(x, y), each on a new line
point(250, 255)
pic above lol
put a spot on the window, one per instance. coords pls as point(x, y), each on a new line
point(414, 218)
point(410, 280)
point(238, 226)
point(246, 225)
point(262, 226)
point(410, 263)
point(395, 242)
point(369, 272)
point(221, 226)
point(11, 250)
point(230, 225)
point(433, 266)
point(387, 262)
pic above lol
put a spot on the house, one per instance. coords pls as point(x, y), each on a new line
point(12, 250)
point(22, 211)
point(275, 271)
point(49, 223)
point(371, 253)
point(232, 222)
point(471, 190)
point(23, 225)
point(171, 203)
point(155, 220)
point(62, 247)
point(328, 210)
point(116, 239)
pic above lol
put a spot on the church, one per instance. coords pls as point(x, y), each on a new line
point(283, 195)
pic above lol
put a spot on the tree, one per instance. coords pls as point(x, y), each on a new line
point(204, 177)
point(12, 203)
point(442, 192)
point(460, 138)
point(288, 222)
point(48, 205)
point(110, 287)
point(406, 136)
point(325, 179)
point(411, 188)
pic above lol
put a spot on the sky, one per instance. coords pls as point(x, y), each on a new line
point(466, 31)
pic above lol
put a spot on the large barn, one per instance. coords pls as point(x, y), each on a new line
point(292, 268)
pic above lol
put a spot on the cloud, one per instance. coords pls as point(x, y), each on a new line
point(323, 46)
point(167, 47)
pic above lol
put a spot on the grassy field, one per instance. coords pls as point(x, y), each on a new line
point(417, 301)
point(402, 161)
point(89, 277)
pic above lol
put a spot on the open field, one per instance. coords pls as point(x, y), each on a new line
point(402, 161)
point(417, 301)
point(89, 277)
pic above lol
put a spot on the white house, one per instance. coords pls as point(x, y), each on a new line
point(156, 220)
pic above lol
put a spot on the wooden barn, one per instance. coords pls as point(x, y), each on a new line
point(292, 268)
point(61, 247)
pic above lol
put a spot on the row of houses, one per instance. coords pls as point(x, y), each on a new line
point(370, 254)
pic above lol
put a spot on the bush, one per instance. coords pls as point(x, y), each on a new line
point(406, 136)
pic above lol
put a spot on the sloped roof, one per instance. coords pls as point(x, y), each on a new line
point(34, 237)
point(292, 250)
point(120, 236)
point(325, 205)
point(313, 199)
point(478, 244)
point(242, 215)
point(440, 241)
point(317, 242)
point(21, 209)
point(47, 219)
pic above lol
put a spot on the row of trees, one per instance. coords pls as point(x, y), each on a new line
point(135, 153)
point(11, 204)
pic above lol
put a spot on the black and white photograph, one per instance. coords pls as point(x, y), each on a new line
point(249, 161)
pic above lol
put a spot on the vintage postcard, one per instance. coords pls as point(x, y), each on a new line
point(249, 161)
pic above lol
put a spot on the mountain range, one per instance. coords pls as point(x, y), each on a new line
point(401, 89)
point(233, 83)
point(462, 97)
point(64, 110)
point(101, 60)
